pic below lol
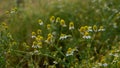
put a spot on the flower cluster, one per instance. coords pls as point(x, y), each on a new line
point(71, 51)
point(38, 40)
point(85, 30)
point(54, 35)
point(49, 38)
point(3, 26)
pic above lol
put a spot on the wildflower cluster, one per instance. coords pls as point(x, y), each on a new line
point(12, 11)
point(76, 38)
point(86, 30)
point(38, 40)
point(49, 38)
point(71, 51)
point(3, 26)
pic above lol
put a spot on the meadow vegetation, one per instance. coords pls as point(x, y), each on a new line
point(60, 34)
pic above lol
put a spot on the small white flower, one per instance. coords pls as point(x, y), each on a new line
point(117, 50)
point(34, 46)
point(100, 64)
point(110, 54)
point(87, 37)
point(101, 28)
point(70, 51)
point(55, 62)
point(71, 28)
point(105, 64)
point(75, 49)
point(114, 61)
point(41, 23)
point(64, 36)
point(115, 10)
point(116, 55)
point(33, 36)
point(36, 52)
point(12, 12)
point(62, 23)
point(90, 29)
point(37, 44)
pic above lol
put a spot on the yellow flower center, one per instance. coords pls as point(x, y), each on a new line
point(52, 18)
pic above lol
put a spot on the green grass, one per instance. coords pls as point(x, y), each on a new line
point(92, 43)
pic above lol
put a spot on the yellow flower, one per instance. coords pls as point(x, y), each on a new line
point(7, 12)
point(52, 19)
point(86, 35)
point(71, 25)
point(62, 23)
point(33, 34)
point(39, 38)
point(55, 62)
point(34, 44)
point(50, 35)
point(39, 44)
point(40, 22)
point(39, 31)
point(102, 58)
point(13, 10)
point(70, 51)
point(95, 28)
point(101, 28)
point(14, 43)
point(85, 28)
point(6, 27)
point(25, 45)
point(82, 30)
point(64, 36)
point(48, 26)
point(4, 24)
point(49, 40)
point(58, 19)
